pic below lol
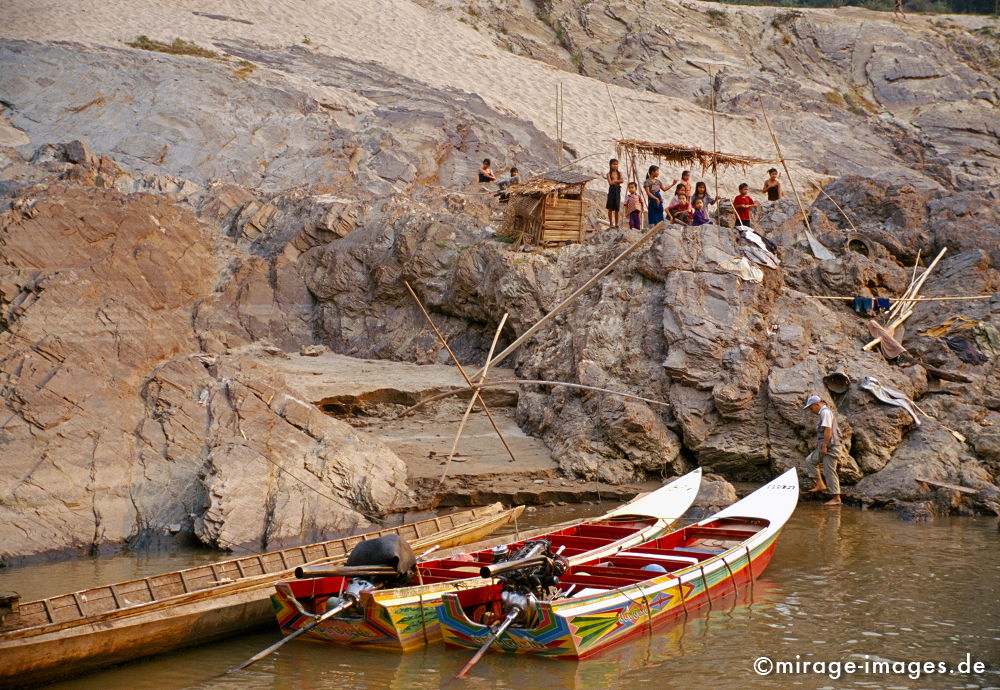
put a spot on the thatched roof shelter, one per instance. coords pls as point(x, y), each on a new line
point(548, 182)
point(685, 155)
point(548, 209)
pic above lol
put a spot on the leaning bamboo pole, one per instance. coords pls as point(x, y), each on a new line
point(818, 249)
point(842, 211)
point(715, 152)
point(576, 293)
point(461, 370)
point(472, 402)
point(633, 169)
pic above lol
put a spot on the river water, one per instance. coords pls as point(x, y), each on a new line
point(845, 586)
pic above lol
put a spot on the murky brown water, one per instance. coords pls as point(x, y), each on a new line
point(844, 586)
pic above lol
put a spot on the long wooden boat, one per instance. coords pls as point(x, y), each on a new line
point(102, 626)
point(403, 618)
point(606, 600)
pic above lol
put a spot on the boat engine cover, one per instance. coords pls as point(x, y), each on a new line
point(391, 550)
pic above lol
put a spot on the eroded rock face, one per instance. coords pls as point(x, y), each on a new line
point(117, 422)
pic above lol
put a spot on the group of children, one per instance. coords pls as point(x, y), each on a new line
point(688, 206)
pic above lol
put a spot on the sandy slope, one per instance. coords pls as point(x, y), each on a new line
point(414, 41)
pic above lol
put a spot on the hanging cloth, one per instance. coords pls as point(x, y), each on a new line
point(890, 396)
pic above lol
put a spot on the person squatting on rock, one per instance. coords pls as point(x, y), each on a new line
point(633, 206)
point(614, 203)
point(826, 452)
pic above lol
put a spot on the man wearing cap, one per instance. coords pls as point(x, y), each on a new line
point(827, 447)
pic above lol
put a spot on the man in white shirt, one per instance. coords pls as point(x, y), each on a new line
point(827, 450)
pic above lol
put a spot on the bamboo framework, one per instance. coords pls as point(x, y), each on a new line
point(686, 155)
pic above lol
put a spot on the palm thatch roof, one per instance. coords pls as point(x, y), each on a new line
point(685, 155)
point(549, 182)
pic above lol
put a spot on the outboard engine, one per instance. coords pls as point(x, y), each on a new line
point(386, 561)
point(531, 574)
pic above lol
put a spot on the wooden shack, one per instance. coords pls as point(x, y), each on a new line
point(547, 210)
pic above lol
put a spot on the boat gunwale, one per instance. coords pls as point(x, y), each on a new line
point(479, 517)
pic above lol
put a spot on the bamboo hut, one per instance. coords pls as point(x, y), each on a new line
point(547, 210)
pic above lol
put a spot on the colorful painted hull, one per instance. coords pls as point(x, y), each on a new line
point(579, 627)
point(405, 618)
point(563, 631)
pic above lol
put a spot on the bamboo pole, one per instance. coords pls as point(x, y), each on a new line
point(905, 308)
point(818, 249)
point(461, 370)
point(531, 382)
point(715, 151)
point(915, 299)
point(633, 172)
point(576, 293)
point(842, 212)
point(908, 292)
point(472, 402)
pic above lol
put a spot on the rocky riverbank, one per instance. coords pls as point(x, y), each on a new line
point(176, 229)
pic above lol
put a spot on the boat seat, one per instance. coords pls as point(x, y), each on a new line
point(659, 556)
point(587, 591)
point(693, 550)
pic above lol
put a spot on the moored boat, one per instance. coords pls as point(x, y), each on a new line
point(83, 631)
point(602, 601)
point(403, 617)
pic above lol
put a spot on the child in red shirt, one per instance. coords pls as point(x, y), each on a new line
point(743, 203)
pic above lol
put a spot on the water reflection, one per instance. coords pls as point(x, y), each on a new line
point(843, 585)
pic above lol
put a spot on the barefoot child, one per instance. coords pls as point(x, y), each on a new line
point(771, 186)
point(614, 203)
point(743, 203)
point(681, 212)
point(700, 216)
point(633, 206)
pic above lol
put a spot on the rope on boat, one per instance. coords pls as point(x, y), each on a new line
point(704, 582)
point(736, 588)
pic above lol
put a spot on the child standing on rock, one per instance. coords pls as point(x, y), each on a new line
point(743, 203)
point(633, 206)
point(614, 203)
